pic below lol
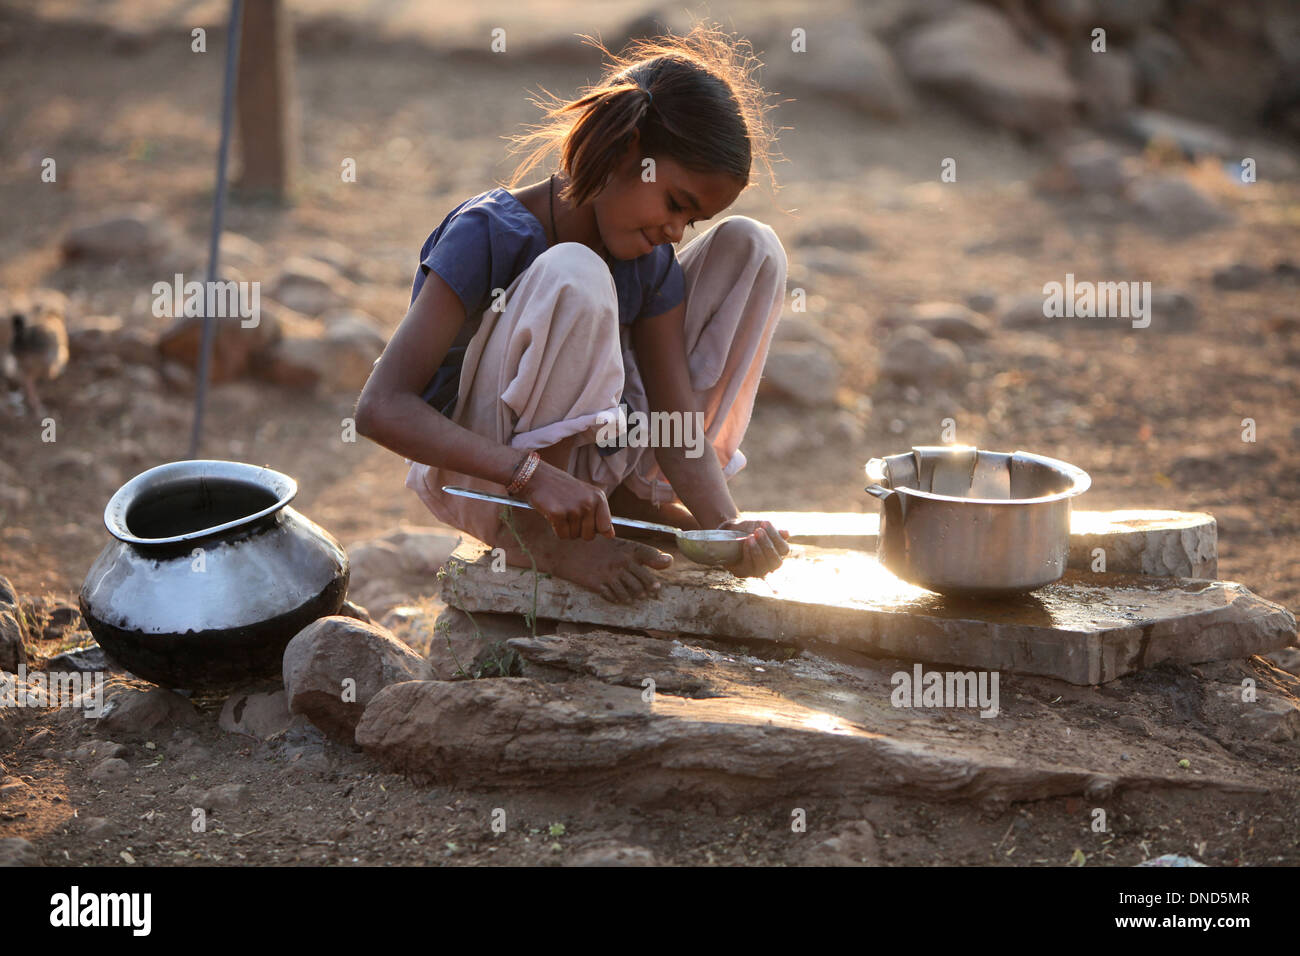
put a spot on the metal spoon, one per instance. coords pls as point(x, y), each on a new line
point(716, 548)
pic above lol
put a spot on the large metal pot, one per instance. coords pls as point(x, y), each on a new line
point(962, 521)
point(209, 574)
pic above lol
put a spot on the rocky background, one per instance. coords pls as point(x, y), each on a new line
point(923, 323)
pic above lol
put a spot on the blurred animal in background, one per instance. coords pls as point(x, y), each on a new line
point(33, 348)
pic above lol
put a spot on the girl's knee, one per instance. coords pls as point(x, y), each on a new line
point(752, 235)
point(576, 266)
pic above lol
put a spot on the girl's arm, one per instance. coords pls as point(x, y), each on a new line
point(390, 410)
point(391, 413)
point(660, 345)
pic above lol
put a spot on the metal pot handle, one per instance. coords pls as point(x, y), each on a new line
point(876, 473)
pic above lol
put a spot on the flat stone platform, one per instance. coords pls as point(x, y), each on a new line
point(1087, 628)
point(1178, 543)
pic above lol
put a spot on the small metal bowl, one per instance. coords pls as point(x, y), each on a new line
point(717, 548)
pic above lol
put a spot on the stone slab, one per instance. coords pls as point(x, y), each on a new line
point(1175, 543)
point(1087, 628)
point(723, 726)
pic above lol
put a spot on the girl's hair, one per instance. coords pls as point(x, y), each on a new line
point(707, 113)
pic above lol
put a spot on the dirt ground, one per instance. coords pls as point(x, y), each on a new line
point(1154, 415)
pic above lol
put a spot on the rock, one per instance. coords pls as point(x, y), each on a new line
point(12, 634)
point(1160, 544)
point(796, 329)
point(615, 855)
point(261, 715)
point(62, 617)
point(1068, 15)
point(131, 710)
point(339, 358)
point(99, 828)
point(233, 349)
point(976, 57)
point(1109, 84)
point(461, 645)
point(242, 253)
point(845, 429)
point(804, 372)
point(1238, 276)
point(1171, 205)
point(334, 650)
point(350, 609)
point(1171, 859)
point(339, 257)
point(397, 567)
point(1095, 167)
point(854, 845)
point(1193, 140)
point(946, 320)
point(829, 261)
point(804, 736)
point(111, 770)
point(177, 376)
point(838, 235)
point(1271, 717)
point(1157, 61)
point(355, 341)
point(99, 335)
point(846, 63)
point(8, 596)
point(296, 361)
point(139, 234)
point(15, 851)
point(1126, 16)
point(226, 796)
point(619, 657)
point(143, 378)
point(85, 660)
point(912, 355)
point(1138, 725)
point(101, 749)
point(1288, 658)
point(308, 286)
point(1175, 310)
point(1183, 620)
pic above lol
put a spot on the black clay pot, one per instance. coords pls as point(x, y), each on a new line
point(209, 574)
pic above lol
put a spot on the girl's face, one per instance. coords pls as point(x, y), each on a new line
point(634, 216)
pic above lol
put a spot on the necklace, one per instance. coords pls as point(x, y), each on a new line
point(555, 236)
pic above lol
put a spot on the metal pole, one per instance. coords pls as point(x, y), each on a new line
point(218, 209)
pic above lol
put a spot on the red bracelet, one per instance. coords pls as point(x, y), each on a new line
point(523, 473)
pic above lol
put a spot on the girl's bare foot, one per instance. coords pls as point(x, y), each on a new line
point(623, 502)
point(615, 568)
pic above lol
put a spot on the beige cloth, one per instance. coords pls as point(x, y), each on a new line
point(555, 361)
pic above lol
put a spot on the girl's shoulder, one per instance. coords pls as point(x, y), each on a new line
point(495, 216)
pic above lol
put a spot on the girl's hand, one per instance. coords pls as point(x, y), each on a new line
point(574, 508)
point(762, 552)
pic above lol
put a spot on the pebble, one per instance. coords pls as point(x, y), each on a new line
point(15, 851)
point(111, 770)
point(913, 356)
point(1238, 276)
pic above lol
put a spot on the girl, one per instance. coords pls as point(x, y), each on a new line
point(537, 312)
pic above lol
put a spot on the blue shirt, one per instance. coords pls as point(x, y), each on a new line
point(487, 241)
